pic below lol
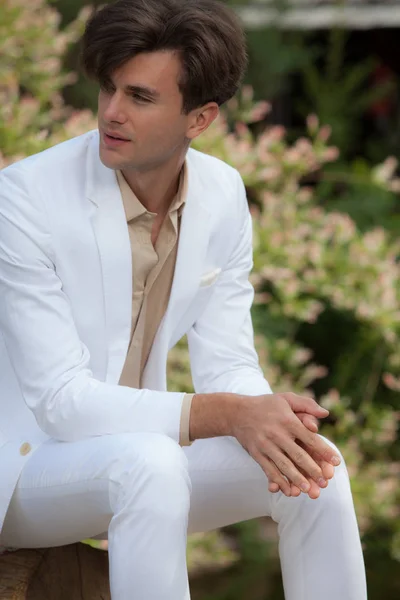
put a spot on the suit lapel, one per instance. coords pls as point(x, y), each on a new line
point(193, 243)
point(110, 227)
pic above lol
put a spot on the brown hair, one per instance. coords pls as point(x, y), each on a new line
point(207, 35)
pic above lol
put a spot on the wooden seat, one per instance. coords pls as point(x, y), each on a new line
point(73, 572)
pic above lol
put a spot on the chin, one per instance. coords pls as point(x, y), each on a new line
point(110, 160)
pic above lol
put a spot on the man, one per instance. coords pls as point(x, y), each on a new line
point(114, 245)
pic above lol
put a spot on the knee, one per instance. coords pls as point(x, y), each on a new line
point(151, 453)
point(154, 466)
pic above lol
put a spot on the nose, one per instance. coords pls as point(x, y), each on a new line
point(114, 110)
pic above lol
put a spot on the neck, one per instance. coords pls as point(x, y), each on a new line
point(156, 188)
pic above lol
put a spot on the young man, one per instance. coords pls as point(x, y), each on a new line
point(114, 245)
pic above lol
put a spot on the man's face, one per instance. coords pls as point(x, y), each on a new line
point(143, 106)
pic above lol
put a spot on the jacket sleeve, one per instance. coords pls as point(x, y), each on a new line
point(51, 363)
point(221, 342)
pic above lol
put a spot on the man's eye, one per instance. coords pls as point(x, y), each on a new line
point(139, 98)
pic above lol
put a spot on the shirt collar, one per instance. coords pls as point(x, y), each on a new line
point(180, 198)
point(134, 208)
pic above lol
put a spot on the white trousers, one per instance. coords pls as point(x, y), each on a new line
point(147, 493)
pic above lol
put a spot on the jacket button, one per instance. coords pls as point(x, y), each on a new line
point(25, 449)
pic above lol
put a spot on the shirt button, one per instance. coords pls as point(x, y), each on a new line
point(25, 449)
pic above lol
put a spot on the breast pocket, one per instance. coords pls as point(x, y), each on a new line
point(209, 278)
point(207, 285)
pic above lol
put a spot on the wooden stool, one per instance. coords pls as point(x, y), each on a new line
point(73, 572)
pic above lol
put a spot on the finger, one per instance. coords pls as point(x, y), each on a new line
point(303, 461)
point(315, 490)
point(305, 404)
point(315, 443)
point(273, 487)
point(308, 421)
point(295, 491)
point(275, 478)
point(287, 468)
point(327, 469)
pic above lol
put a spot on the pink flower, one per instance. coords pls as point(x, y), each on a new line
point(312, 124)
point(325, 133)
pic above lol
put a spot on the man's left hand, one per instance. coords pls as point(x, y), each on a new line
point(328, 470)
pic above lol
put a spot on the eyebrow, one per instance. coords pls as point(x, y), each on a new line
point(141, 89)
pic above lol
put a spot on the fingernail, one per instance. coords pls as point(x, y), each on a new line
point(336, 461)
point(321, 482)
point(305, 487)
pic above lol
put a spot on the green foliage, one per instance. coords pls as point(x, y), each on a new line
point(209, 550)
point(353, 189)
point(274, 55)
point(339, 93)
point(32, 112)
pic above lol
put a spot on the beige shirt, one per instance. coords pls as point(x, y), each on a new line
point(152, 271)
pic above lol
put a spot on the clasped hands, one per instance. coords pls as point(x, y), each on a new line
point(280, 432)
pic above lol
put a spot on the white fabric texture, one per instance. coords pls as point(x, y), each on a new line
point(147, 492)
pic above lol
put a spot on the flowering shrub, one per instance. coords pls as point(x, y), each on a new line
point(33, 115)
point(309, 263)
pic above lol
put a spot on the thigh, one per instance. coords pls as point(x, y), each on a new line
point(65, 491)
point(228, 485)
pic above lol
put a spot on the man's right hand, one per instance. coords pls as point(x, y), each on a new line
point(268, 428)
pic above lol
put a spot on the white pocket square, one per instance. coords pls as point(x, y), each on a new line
point(209, 278)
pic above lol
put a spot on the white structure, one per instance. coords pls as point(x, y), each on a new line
point(321, 14)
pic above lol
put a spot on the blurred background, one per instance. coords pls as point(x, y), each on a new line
point(315, 133)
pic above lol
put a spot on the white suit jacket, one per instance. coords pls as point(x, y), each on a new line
point(66, 300)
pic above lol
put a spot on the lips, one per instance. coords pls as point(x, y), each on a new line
point(113, 140)
point(115, 136)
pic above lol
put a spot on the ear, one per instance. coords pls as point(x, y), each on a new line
point(200, 119)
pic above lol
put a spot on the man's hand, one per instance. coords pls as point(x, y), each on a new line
point(288, 452)
point(312, 423)
point(308, 420)
point(328, 472)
